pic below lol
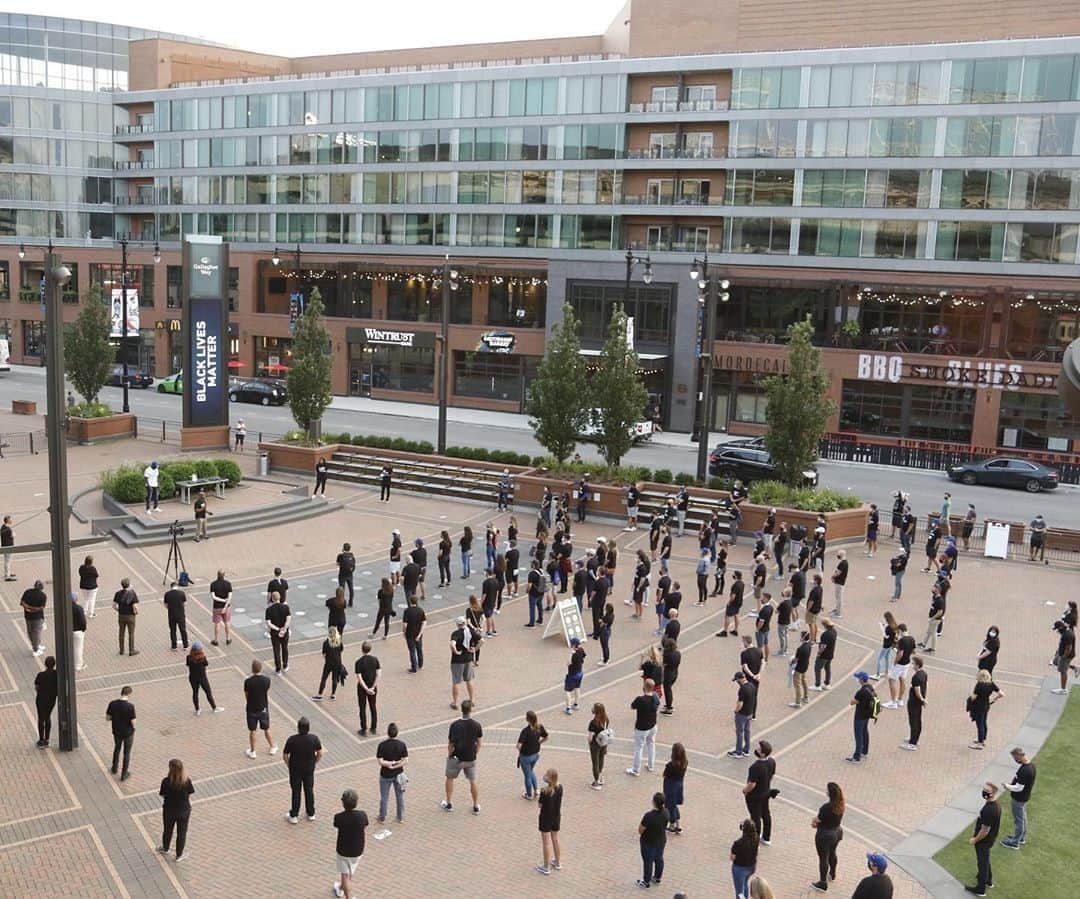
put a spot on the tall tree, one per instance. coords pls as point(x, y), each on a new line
point(558, 397)
point(619, 397)
point(798, 406)
point(88, 357)
point(309, 374)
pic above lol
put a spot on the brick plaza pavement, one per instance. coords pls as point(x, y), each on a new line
point(68, 827)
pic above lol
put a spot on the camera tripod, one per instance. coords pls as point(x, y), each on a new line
point(176, 557)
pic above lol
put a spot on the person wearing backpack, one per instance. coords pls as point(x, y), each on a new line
point(867, 708)
point(600, 737)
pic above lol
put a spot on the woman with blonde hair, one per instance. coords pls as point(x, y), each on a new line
point(550, 801)
point(175, 791)
point(332, 667)
point(760, 889)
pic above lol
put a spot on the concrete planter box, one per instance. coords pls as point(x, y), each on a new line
point(287, 457)
point(109, 427)
point(604, 499)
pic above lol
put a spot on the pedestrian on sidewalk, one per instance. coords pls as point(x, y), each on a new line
point(641, 583)
point(780, 548)
point(873, 520)
point(279, 619)
point(889, 632)
point(78, 635)
point(7, 538)
point(720, 571)
point(800, 664)
point(413, 622)
point(652, 838)
point(600, 737)
point(839, 579)
point(763, 624)
point(322, 472)
point(933, 539)
point(745, 709)
point(607, 622)
point(257, 708)
point(877, 884)
point(335, 609)
point(46, 690)
point(672, 659)
point(332, 668)
point(1066, 651)
point(121, 714)
point(758, 791)
point(825, 653)
point(197, 663)
point(385, 597)
point(418, 557)
point(201, 513)
point(866, 706)
point(175, 791)
point(968, 527)
point(505, 487)
point(346, 563)
point(464, 741)
point(368, 675)
point(33, 602)
point(151, 475)
point(897, 566)
point(351, 824)
point(934, 618)
point(1020, 788)
point(984, 695)
point(915, 704)
point(461, 661)
point(175, 601)
point(575, 672)
point(221, 600)
point(88, 585)
point(550, 802)
point(391, 755)
point(744, 853)
point(301, 754)
point(241, 433)
point(905, 649)
point(645, 708)
point(1037, 544)
point(702, 572)
point(827, 835)
point(985, 833)
point(533, 735)
point(784, 613)
point(674, 777)
point(386, 478)
point(126, 603)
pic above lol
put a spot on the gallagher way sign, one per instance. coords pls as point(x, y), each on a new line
point(206, 332)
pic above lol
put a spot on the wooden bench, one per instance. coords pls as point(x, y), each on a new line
point(197, 483)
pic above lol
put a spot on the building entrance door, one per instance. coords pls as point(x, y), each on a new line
point(360, 380)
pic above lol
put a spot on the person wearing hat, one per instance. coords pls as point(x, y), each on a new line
point(745, 707)
point(461, 658)
point(877, 884)
point(241, 433)
point(574, 674)
point(386, 477)
point(866, 704)
point(151, 474)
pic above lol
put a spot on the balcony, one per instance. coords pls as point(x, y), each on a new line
point(124, 165)
point(128, 200)
point(676, 246)
point(647, 200)
point(721, 105)
point(678, 153)
point(128, 130)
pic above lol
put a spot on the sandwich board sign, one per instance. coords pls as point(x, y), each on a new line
point(568, 616)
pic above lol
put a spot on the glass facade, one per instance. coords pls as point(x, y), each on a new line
point(908, 410)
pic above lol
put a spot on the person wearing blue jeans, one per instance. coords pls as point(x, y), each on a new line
point(1020, 789)
point(745, 708)
point(391, 754)
point(465, 544)
point(652, 838)
point(744, 853)
point(898, 565)
point(532, 736)
point(536, 596)
point(674, 775)
point(864, 701)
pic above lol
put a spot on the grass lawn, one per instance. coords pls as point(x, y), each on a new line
point(1046, 866)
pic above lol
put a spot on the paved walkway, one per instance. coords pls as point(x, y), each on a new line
point(68, 827)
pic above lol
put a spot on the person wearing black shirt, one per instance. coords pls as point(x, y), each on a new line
point(744, 853)
point(827, 835)
point(907, 529)
point(984, 695)
point(597, 603)
point(121, 713)
point(412, 626)
point(419, 557)
point(873, 521)
point(175, 600)
point(745, 709)
point(824, 659)
point(322, 472)
point(221, 598)
point(346, 563)
point(682, 505)
point(988, 655)
point(645, 706)
point(279, 617)
point(78, 635)
point(674, 777)
point(733, 607)
point(335, 611)
point(257, 707)
point(751, 660)
point(549, 798)
point(763, 624)
point(126, 602)
point(489, 596)
point(332, 669)
point(45, 692)
point(632, 495)
point(175, 792)
point(915, 704)
point(442, 556)
point(905, 649)
point(672, 660)
point(1066, 649)
point(391, 756)
point(878, 884)
point(88, 585)
point(386, 611)
point(607, 621)
point(277, 584)
point(580, 584)
point(302, 753)
point(533, 735)
point(783, 620)
point(386, 477)
point(933, 618)
point(986, 830)
point(800, 664)
point(410, 578)
point(368, 675)
point(197, 664)
point(652, 838)
point(1020, 789)
point(864, 701)
point(351, 824)
point(201, 513)
point(395, 558)
point(7, 538)
point(839, 579)
point(720, 571)
point(758, 790)
point(33, 605)
point(897, 567)
point(462, 746)
point(673, 627)
point(513, 561)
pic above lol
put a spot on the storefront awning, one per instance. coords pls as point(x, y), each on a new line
point(646, 357)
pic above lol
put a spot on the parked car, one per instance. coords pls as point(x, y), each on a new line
point(172, 384)
point(258, 392)
point(135, 378)
point(1006, 472)
point(747, 464)
point(750, 442)
point(640, 431)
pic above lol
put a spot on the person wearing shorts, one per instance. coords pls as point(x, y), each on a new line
point(221, 597)
point(351, 824)
point(461, 659)
point(463, 745)
point(257, 708)
point(395, 557)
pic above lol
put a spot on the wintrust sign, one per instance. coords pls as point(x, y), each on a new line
point(391, 338)
point(976, 373)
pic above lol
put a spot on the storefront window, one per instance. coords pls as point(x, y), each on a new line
point(1035, 421)
point(517, 302)
point(5, 281)
point(409, 301)
point(650, 308)
point(763, 314)
point(272, 356)
point(402, 368)
point(908, 323)
point(140, 278)
point(488, 375)
point(33, 338)
point(172, 286)
point(1041, 330)
point(908, 410)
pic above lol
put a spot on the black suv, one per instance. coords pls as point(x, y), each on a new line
point(747, 464)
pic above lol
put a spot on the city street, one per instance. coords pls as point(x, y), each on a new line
point(675, 452)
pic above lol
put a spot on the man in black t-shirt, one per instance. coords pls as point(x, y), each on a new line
point(758, 790)
point(461, 661)
point(412, 626)
point(221, 599)
point(351, 824)
point(839, 579)
point(751, 661)
point(646, 706)
point(33, 605)
point(279, 585)
point(257, 707)
point(302, 753)
point(915, 703)
point(121, 715)
point(410, 578)
point(346, 563)
point(463, 745)
point(824, 659)
point(1020, 789)
point(7, 538)
point(536, 594)
point(763, 625)
point(279, 617)
point(800, 664)
point(905, 649)
point(368, 674)
point(652, 837)
point(986, 830)
point(864, 701)
point(1065, 655)
point(745, 709)
point(419, 557)
point(175, 600)
point(877, 884)
point(597, 602)
point(126, 602)
point(201, 512)
point(391, 754)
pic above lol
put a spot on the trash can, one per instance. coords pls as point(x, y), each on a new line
point(263, 468)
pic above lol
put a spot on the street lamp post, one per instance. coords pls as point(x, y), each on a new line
point(711, 290)
point(449, 278)
point(647, 275)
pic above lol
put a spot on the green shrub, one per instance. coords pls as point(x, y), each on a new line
point(769, 493)
point(718, 483)
point(684, 480)
point(662, 476)
point(207, 468)
point(806, 499)
point(228, 469)
point(90, 410)
point(537, 461)
point(180, 471)
point(423, 446)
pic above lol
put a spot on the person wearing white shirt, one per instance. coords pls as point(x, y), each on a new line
point(150, 475)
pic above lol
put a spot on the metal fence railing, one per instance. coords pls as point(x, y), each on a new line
point(23, 443)
point(159, 430)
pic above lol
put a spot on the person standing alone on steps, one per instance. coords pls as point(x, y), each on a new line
point(322, 472)
point(386, 476)
point(151, 474)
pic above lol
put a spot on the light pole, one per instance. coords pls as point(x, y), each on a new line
point(57, 276)
point(124, 311)
point(449, 279)
point(711, 289)
point(646, 276)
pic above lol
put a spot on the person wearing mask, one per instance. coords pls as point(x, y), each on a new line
point(279, 619)
point(877, 884)
point(985, 833)
point(745, 709)
point(506, 486)
point(413, 622)
point(335, 610)
point(905, 649)
point(1037, 544)
point(257, 708)
point(897, 567)
point(827, 835)
point(784, 613)
point(442, 557)
point(733, 606)
point(301, 754)
point(665, 550)
point(46, 690)
point(968, 527)
point(1020, 792)
point(702, 573)
point(889, 633)
point(175, 792)
point(1066, 648)
point(120, 713)
point(907, 529)
point(607, 621)
point(751, 661)
point(201, 513)
point(197, 663)
point(934, 618)
point(322, 472)
point(814, 601)
point(463, 744)
point(391, 755)
point(682, 506)
point(386, 610)
point(465, 545)
point(866, 704)
point(674, 776)
point(78, 635)
point(915, 704)
point(839, 579)
point(824, 659)
point(763, 624)
point(346, 563)
point(386, 478)
point(652, 839)
point(744, 853)
point(151, 475)
point(574, 674)
point(646, 707)
point(758, 791)
point(800, 664)
point(368, 675)
point(720, 571)
point(984, 695)
point(781, 543)
point(88, 586)
point(550, 802)
point(758, 577)
point(33, 603)
point(933, 539)
point(873, 520)
point(533, 735)
point(641, 582)
point(332, 667)
point(511, 572)
point(988, 655)
point(221, 599)
point(418, 555)
point(600, 736)
point(175, 602)
point(461, 661)
point(7, 538)
point(350, 823)
point(126, 603)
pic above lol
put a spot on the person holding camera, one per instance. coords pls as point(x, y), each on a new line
point(200, 516)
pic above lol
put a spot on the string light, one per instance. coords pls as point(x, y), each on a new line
point(421, 276)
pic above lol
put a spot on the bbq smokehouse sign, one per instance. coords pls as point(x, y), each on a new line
point(954, 372)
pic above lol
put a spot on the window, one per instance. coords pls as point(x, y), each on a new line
point(768, 88)
point(666, 98)
point(762, 187)
point(759, 235)
point(403, 368)
point(5, 280)
point(766, 138)
point(985, 80)
point(33, 338)
point(902, 410)
point(981, 136)
point(659, 191)
point(1036, 422)
point(517, 301)
point(1048, 78)
point(1039, 242)
point(970, 241)
point(650, 306)
point(661, 145)
point(975, 189)
point(493, 376)
point(1045, 189)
